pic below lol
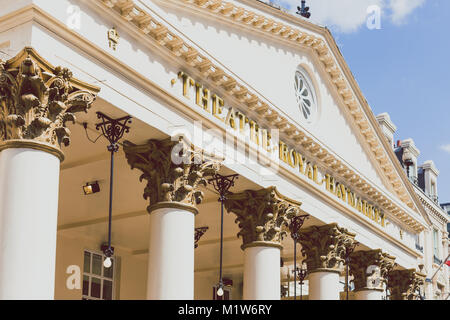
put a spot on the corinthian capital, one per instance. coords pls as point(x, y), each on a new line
point(262, 215)
point(325, 246)
point(370, 268)
point(405, 284)
point(36, 102)
point(173, 171)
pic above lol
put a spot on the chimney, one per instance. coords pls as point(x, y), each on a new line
point(387, 126)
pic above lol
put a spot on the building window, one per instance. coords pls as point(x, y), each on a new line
point(305, 95)
point(436, 243)
point(98, 281)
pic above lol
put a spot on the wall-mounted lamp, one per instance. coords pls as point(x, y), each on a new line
point(91, 188)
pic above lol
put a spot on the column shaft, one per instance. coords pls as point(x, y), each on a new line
point(324, 286)
point(29, 182)
point(171, 255)
point(369, 294)
point(262, 273)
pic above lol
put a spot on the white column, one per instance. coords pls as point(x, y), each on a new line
point(29, 182)
point(171, 255)
point(262, 273)
point(324, 285)
point(369, 294)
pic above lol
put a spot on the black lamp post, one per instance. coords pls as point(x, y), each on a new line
point(294, 228)
point(222, 185)
point(348, 251)
point(301, 274)
point(113, 130)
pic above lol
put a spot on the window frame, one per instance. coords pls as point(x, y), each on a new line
point(101, 277)
point(436, 250)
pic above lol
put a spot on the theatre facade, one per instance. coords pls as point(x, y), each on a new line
point(233, 96)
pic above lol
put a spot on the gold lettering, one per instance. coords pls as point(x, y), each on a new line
point(237, 119)
point(283, 149)
point(217, 106)
point(292, 160)
point(330, 183)
point(265, 139)
point(188, 82)
point(205, 100)
point(351, 198)
point(370, 211)
point(359, 206)
point(198, 89)
point(376, 215)
point(341, 191)
point(230, 120)
point(364, 207)
point(300, 163)
point(309, 172)
point(254, 132)
point(242, 120)
point(316, 175)
point(201, 96)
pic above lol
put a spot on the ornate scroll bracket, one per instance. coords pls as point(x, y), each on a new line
point(262, 215)
point(37, 100)
point(174, 171)
point(199, 232)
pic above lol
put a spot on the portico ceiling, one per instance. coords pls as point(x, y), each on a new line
point(87, 216)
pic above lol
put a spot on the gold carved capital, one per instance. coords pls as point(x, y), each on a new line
point(174, 171)
point(370, 268)
point(262, 215)
point(325, 246)
point(37, 100)
point(405, 284)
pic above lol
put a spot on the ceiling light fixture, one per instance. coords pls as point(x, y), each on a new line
point(113, 130)
point(222, 185)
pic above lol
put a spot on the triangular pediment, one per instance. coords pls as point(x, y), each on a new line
point(252, 58)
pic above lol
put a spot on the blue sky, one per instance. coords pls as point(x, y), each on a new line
point(402, 68)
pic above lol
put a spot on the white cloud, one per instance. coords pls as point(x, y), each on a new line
point(349, 15)
point(402, 8)
point(446, 148)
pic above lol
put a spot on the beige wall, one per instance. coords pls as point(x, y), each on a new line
point(130, 277)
